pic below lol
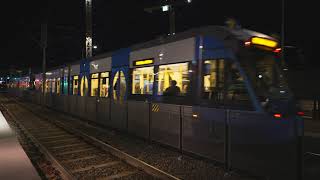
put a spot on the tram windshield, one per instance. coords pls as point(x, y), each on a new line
point(263, 69)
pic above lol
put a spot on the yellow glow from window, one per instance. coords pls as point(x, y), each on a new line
point(264, 42)
point(142, 80)
point(84, 86)
point(104, 84)
point(58, 86)
point(207, 61)
point(96, 75)
point(53, 85)
point(143, 62)
point(178, 72)
point(48, 86)
point(213, 78)
point(94, 87)
point(104, 74)
point(115, 86)
point(123, 86)
point(75, 85)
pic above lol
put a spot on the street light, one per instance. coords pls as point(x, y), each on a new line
point(165, 8)
point(169, 8)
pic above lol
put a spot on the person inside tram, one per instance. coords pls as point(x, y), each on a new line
point(172, 90)
point(236, 89)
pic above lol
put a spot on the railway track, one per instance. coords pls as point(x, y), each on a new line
point(77, 155)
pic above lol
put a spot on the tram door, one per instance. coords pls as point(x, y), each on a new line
point(119, 102)
point(81, 101)
point(84, 86)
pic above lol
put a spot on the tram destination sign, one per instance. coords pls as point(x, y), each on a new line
point(143, 62)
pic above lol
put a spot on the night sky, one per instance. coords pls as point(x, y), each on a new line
point(120, 23)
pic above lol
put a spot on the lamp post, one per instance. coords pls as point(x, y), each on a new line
point(282, 31)
point(171, 10)
point(88, 17)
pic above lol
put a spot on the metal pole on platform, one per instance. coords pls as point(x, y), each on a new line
point(283, 31)
point(44, 47)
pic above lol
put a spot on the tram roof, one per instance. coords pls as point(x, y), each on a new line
point(217, 31)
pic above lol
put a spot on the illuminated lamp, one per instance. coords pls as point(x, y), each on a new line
point(165, 8)
point(277, 115)
point(278, 50)
point(247, 43)
point(264, 42)
point(300, 113)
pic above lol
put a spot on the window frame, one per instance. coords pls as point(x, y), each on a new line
point(58, 88)
point(73, 80)
point(207, 102)
point(180, 100)
point(157, 73)
point(225, 103)
point(108, 84)
point(131, 81)
point(97, 78)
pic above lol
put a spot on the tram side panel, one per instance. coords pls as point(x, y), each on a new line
point(165, 124)
point(262, 144)
point(66, 102)
point(138, 118)
point(91, 108)
point(204, 131)
point(81, 107)
point(60, 102)
point(103, 111)
point(73, 104)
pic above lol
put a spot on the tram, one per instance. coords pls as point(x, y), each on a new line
point(216, 92)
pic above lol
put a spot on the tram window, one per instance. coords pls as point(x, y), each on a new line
point(266, 77)
point(104, 84)
point(236, 91)
point(173, 79)
point(58, 86)
point(65, 85)
point(53, 85)
point(213, 79)
point(48, 86)
point(75, 85)
point(142, 80)
point(94, 84)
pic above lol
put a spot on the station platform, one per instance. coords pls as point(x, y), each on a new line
point(14, 162)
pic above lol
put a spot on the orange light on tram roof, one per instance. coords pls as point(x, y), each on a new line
point(264, 42)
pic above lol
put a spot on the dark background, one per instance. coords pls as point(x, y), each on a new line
point(121, 23)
